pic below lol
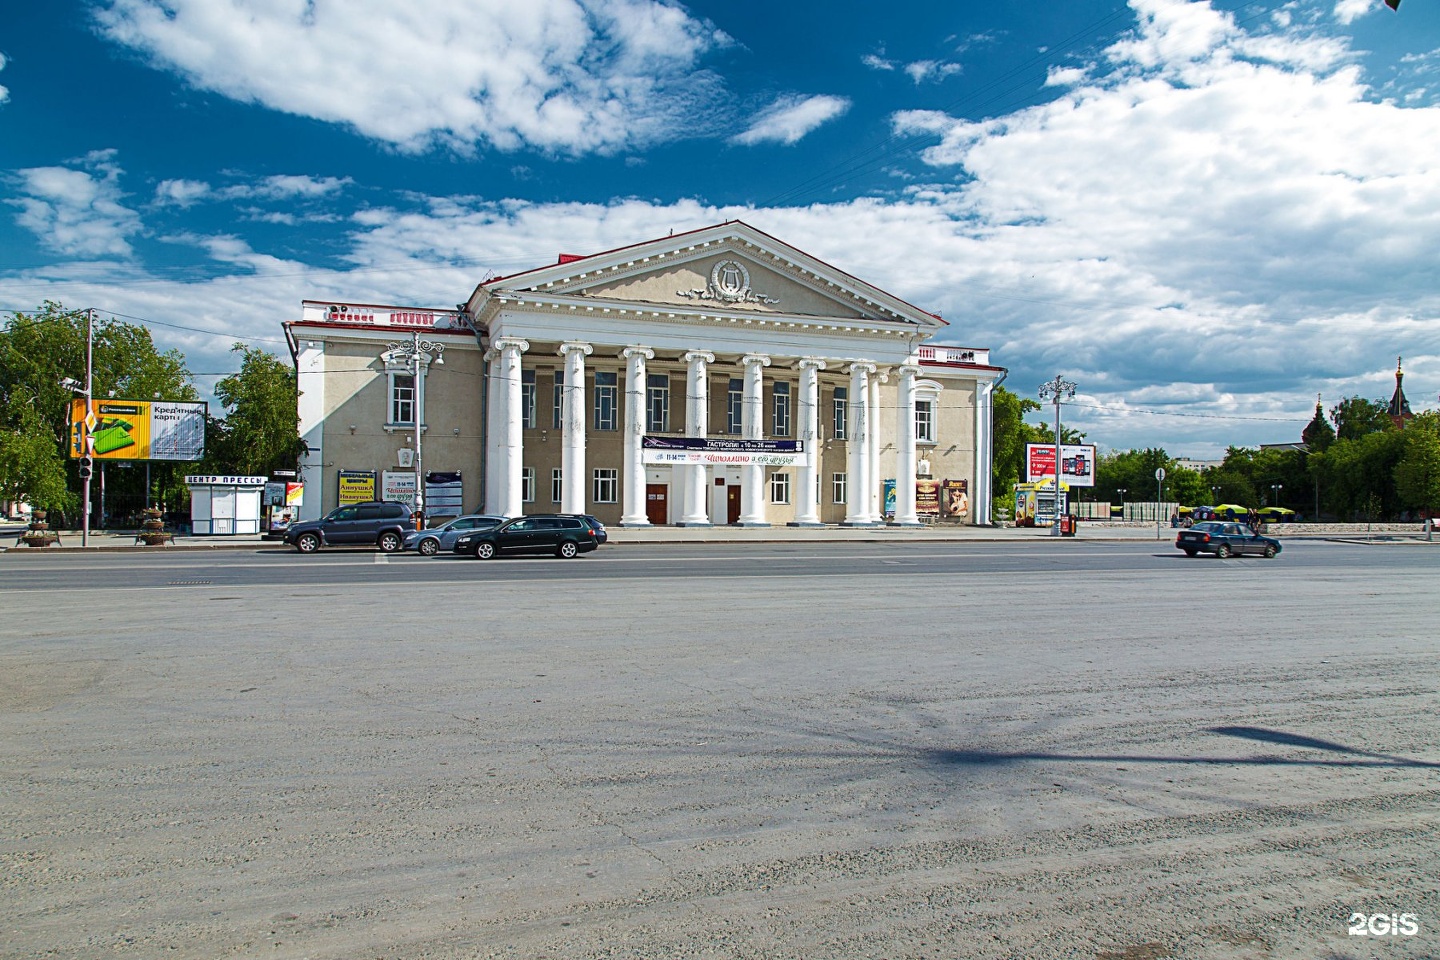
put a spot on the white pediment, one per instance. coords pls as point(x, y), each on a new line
point(728, 268)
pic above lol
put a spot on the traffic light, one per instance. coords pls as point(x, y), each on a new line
point(87, 467)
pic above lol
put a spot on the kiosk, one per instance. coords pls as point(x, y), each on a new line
point(225, 506)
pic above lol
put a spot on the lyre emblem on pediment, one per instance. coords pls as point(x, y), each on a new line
point(729, 283)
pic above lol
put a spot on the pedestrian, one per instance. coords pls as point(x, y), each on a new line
point(1253, 519)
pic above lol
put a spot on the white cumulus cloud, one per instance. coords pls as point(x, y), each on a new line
point(790, 118)
point(559, 75)
point(76, 211)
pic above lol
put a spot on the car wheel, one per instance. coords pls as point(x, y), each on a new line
point(484, 551)
point(567, 549)
point(1270, 551)
point(389, 541)
point(1191, 553)
point(428, 547)
point(1222, 551)
point(308, 543)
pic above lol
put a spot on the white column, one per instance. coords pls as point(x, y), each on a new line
point(697, 425)
point(876, 512)
point(905, 449)
point(807, 506)
point(857, 494)
point(633, 484)
point(982, 495)
point(510, 439)
point(572, 439)
point(752, 495)
point(492, 404)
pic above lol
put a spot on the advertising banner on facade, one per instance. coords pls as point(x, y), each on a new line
point(957, 498)
point(1077, 464)
point(443, 494)
point(927, 497)
point(398, 485)
point(722, 451)
point(139, 430)
point(356, 486)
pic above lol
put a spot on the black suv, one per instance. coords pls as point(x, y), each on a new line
point(563, 534)
point(382, 523)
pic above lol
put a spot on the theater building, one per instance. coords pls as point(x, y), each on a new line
point(714, 377)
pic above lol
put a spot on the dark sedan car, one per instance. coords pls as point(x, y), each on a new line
point(1225, 539)
point(563, 534)
point(440, 539)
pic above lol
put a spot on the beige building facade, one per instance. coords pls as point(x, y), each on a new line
point(715, 377)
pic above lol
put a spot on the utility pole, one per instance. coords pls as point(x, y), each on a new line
point(1054, 391)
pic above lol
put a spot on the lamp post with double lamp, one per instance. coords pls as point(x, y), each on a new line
point(416, 352)
point(1121, 492)
point(1275, 489)
point(87, 442)
point(1055, 391)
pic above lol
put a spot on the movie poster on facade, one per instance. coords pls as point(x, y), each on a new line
point(1077, 463)
point(957, 498)
point(356, 486)
point(927, 497)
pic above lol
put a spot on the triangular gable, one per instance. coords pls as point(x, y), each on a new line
point(729, 266)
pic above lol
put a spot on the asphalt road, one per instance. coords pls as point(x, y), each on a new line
point(1041, 749)
point(272, 566)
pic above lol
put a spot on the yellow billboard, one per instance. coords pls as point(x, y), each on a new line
point(138, 430)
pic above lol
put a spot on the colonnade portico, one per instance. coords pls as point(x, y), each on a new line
point(504, 468)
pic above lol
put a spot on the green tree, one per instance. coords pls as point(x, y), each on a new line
point(1354, 417)
point(1010, 433)
point(1417, 474)
point(260, 431)
point(1357, 477)
point(37, 351)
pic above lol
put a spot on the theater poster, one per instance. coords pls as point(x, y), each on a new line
point(957, 498)
point(927, 497)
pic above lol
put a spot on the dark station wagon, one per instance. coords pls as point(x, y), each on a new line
point(563, 534)
point(1225, 539)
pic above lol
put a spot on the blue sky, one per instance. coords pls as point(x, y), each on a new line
point(1204, 213)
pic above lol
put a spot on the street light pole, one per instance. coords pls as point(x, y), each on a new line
point(419, 353)
point(89, 418)
point(1054, 391)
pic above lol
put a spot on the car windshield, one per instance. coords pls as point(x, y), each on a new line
point(1209, 526)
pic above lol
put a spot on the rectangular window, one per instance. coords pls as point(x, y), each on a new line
point(607, 398)
point(402, 398)
point(735, 407)
point(606, 485)
point(837, 487)
point(557, 489)
point(527, 485)
point(779, 488)
point(527, 399)
point(925, 421)
point(559, 407)
point(657, 403)
point(782, 411)
point(842, 411)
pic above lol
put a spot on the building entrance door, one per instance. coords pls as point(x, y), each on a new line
point(732, 503)
point(657, 503)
